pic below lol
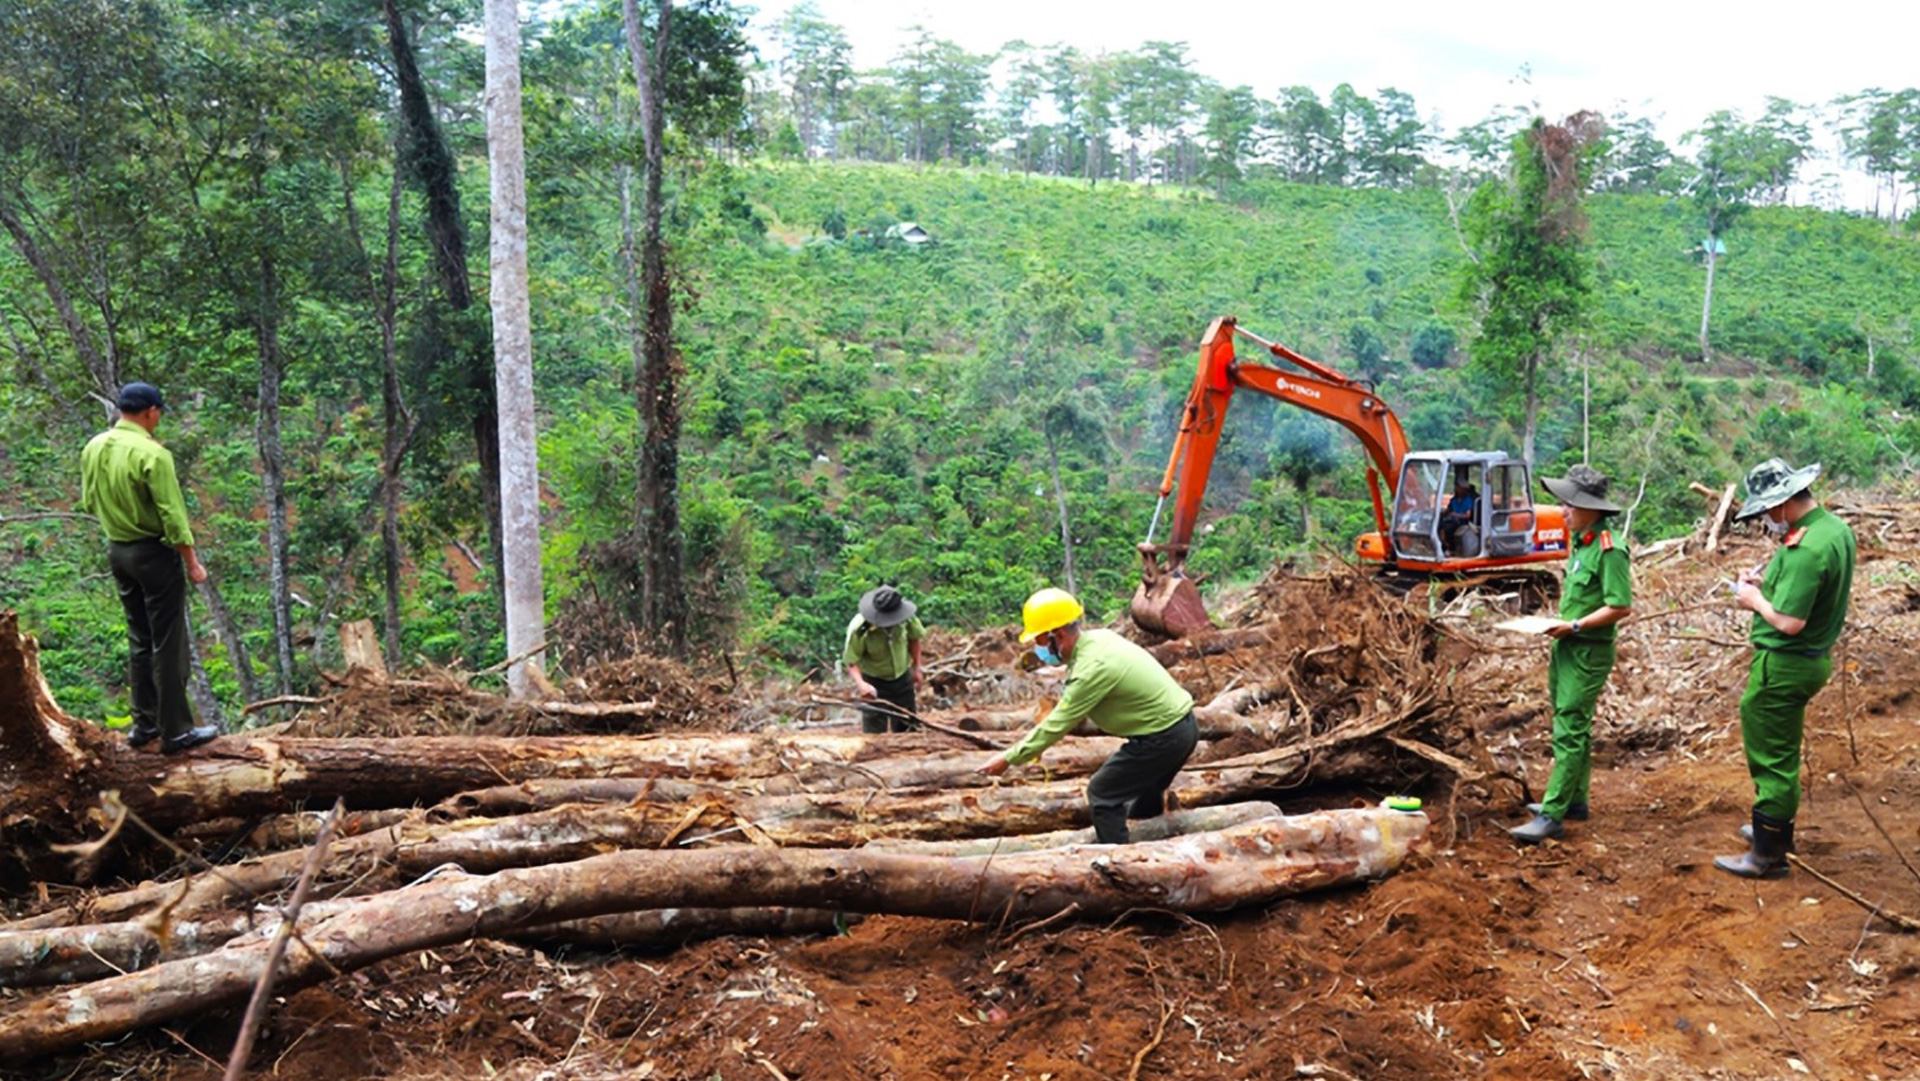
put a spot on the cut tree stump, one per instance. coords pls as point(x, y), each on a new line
point(360, 648)
point(1250, 864)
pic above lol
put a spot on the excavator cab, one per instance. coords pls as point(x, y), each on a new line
point(1460, 510)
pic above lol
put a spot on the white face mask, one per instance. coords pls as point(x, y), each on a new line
point(1774, 529)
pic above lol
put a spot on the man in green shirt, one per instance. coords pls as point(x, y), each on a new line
point(1597, 594)
point(1799, 605)
point(1125, 692)
point(882, 656)
point(127, 481)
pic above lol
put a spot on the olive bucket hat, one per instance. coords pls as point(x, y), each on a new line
point(885, 607)
point(1772, 483)
point(1583, 486)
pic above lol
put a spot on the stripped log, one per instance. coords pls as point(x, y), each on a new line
point(66, 955)
point(1251, 864)
point(241, 776)
point(946, 771)
point(284, 831)
point(1176, 824)
point(1224, 717)
point(1720, 513)
point(664, 928)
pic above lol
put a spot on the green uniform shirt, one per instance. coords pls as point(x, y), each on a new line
point(1598, 576)
point(1810, 577)
point(127, 481)
point(881, 652)
point(1118, 685)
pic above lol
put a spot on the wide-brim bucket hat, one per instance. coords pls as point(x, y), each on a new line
point(1583, 486)
point(1772, 483)
point(883, 606)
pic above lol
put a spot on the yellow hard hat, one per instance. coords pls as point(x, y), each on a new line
point(1049, 609)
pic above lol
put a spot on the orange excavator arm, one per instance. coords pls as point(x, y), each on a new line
point(1168, 601)
point(1316, 388)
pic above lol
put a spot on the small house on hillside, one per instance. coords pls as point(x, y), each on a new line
point(908, 232)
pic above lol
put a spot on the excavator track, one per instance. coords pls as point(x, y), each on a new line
point(1523, 592)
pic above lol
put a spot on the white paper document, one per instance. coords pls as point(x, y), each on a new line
point(1529, 624)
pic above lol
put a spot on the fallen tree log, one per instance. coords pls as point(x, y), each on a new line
point(1175, 824)
point(67, 955)
point(1209, 643)
point(1254, 863)
point(945, 771)
point(288, 830)
point(54, 765)
point(1223, 717)
point(664, 928)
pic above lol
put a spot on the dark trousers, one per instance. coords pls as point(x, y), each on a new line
point(1133, 783)
point(153, 590)
point(899, 694)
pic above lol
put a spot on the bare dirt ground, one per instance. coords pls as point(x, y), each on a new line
point(1617, 953)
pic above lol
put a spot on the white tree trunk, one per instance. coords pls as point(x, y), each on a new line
point(513, 347)
point(1060, 500)
point(1706, 303)
point(1532, 421)
point(1586, 407)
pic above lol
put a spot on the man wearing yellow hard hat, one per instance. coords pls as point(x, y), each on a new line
point(1125, 692)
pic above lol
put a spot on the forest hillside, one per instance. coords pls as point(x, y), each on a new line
point(862, 410)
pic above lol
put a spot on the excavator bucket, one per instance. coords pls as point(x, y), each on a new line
point(1170, 606)
point(1168, 602)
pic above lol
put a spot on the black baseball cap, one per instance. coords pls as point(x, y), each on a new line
point(139, 397)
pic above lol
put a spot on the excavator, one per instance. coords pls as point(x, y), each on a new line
point(1453, 512)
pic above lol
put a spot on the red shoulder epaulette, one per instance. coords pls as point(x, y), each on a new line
point(1606, 541)
point(1793, 538)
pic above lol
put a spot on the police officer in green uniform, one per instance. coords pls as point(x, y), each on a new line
point(128, 482)
point(882, 655)
point(1799, 605)
point(1124, 692)
point(1598, 593)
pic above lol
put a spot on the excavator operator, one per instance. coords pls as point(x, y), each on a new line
point(1459, 523)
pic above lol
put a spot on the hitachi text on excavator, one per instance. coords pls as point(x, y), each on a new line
point(1453, 512)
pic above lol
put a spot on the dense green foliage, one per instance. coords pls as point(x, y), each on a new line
point(857, 408)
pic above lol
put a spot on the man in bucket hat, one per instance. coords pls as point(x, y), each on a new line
point(882, 656)
point(1598, 593)
point(1799, 605)
point(1124, 692)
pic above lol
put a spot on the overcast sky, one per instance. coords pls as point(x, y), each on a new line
point(1676, 61)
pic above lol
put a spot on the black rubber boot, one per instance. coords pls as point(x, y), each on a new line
point(1772, 840)
point(1746, 834)
point(1576, 812)
point(1540, 829)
